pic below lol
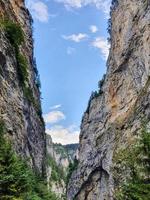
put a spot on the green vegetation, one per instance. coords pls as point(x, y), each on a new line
point(60, 149)
point(57, 173)
point(37, 76)
point(17, 180)
point(136, 160)
point(15, 35)
point(72, 167)
point(22, 69)
point(96, 94)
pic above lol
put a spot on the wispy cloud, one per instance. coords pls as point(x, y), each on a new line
point(103, 45)
point(54, 117)
point(39, 10)
point(64, 135)
point(55, 107)
point(103, 5)
point(76, 37)
point(70, 50)
point(53, 15)
point(93, 28)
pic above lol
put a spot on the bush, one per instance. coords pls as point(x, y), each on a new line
point(22, 69)
point(17, 180)
point(14, 33)
point(136, 160)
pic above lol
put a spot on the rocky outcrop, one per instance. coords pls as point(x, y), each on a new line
point(114, 116)
point(59, 156)
point(62, 154)
point(20, 107)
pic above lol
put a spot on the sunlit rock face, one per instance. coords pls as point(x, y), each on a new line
point(114, 117)
point(21, 115)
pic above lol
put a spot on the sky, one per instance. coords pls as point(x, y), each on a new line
point(71, 49)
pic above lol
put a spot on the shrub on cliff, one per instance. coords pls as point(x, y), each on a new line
point(15, 36)
point(22, 69)
point(57, 173)
point(137, 160)
point(72, 167)
point(14, 33)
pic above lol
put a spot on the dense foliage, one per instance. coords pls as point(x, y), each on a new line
point(136, 160)
point(14, 33)
point(57, 173)
point(17, 180)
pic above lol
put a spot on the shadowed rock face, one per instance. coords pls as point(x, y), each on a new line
point(114, 117)
point(22, 118)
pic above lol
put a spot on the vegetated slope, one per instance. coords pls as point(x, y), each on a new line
point(59, 158)
point(117, 114)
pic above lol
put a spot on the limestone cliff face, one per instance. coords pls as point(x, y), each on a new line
point(59, 157)
point(114, 117)
point(21, 115)
point(55, 170)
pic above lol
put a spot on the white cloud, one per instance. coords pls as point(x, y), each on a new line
point(70, 50)
point(64, 135)
point(76, 37)
point(93, 28)
point(54, 117)
point(39, 10)
point(103, 5)
point(103, 45)
point(55, 107)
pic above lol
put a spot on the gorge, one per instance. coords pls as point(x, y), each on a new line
point(115, 125)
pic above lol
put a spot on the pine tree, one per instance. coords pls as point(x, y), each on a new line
point(137, 161)
point(17, 180)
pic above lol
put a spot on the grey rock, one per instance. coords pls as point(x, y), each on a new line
point(114, 117)
point(25, 127)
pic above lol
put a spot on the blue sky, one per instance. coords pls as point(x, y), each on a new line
point(71, 50)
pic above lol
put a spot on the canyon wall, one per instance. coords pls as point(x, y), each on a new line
point(115, 114)
point(20, 107)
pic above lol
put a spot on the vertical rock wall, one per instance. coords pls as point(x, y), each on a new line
point(21, 115)
point(114, 117)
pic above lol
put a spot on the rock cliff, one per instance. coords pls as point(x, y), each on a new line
point(115, 113)
point(59, 157)
point(20, 107)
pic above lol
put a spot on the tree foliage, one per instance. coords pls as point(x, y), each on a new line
point(57, 173)
point(72, 167)
point(136, 160)
point(17, 180)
